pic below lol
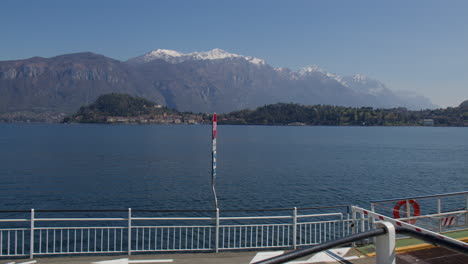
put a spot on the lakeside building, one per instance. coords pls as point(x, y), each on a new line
point(428, 122)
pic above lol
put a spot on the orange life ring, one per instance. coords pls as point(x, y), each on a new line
point(416, 210)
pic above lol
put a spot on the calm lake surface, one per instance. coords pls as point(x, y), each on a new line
point(53, 166)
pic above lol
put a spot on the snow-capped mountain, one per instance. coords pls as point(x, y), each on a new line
point(318, 71)
point(363, 84)
point(209, 81)
point(172, 56)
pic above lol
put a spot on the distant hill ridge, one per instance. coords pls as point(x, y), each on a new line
point(122, 108)
point(200, 81)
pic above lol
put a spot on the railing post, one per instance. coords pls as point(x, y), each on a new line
point(372, 219)
point(408, 210)
point(439, 211)
point(217, 231)
point(31, 241)
point(354, 225)
point(129, 231)
point(385, 245)
point(466, 208)
point(295, 228)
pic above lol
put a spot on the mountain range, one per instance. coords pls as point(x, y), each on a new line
point(213, 81)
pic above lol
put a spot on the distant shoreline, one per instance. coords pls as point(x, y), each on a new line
point(126, 109)
point(219, 124)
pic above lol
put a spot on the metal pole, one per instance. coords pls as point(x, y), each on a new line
point(31, 241)
point(213, 159)
point(295, 228)
point(217, 231)
point(129, 231)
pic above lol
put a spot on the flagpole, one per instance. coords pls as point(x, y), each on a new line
point(213, 159)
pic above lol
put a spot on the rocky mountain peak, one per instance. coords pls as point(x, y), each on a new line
point(174, 57)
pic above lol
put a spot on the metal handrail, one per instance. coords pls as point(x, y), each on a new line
point(321, 247)
point(167, 211)
point(37, 219)
point(432, 239)
point(433, 215)
point(420, 197)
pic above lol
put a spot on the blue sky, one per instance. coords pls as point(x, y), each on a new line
point(420, 46)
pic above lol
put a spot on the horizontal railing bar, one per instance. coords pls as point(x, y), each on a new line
point(80, 219)
point(420, 197)
point(257, 210)
point(187, 218)
point(173, 218)
point(78, 252)
point(174, 211)
point(255, 217)
point(251, 225)
point(276, 217)
point(324, 207)
point(170, 250)
point(184, 218)
point(101, 210)
point(325, 222)
point(78, 210)
point(202, 218)
point(192, 226)
point(81, 227)
point(254, 247)
point(285, 209)
point(336, 221)
point(433, 215)
point(317, 215)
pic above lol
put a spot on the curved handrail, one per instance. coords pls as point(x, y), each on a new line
point(432, 239)
point(321, 247)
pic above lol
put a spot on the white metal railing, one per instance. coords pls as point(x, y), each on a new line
point(255, 236)
point(12, 241)
point(152, 231)
point(106, 235)
point(439, 212)
point(74, 240)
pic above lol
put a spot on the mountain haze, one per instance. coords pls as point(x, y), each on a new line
point(200, 82)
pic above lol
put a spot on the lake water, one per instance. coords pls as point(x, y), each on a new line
point(47, 166)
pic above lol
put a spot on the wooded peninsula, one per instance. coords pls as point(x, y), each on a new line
point(122, 108)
